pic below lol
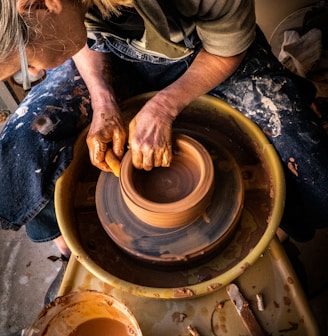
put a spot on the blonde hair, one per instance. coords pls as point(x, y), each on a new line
point(107, 7)
point(13, 26)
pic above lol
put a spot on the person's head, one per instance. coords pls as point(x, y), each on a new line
point(51, 31)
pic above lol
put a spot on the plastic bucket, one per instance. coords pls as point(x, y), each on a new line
point(85, 313)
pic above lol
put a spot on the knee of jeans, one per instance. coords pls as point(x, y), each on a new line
point(44, 226)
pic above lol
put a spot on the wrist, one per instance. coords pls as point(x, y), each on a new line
point(103, 100)
point(167, 104)
point(175, 97)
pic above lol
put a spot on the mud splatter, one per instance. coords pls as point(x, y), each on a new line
point(178, 317)
point(293, 166)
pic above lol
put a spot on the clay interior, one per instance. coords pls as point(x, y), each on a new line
point(173, 196)
point(167, 185)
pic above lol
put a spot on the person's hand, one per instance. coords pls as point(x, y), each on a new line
point(105, 140)
point(150, 136)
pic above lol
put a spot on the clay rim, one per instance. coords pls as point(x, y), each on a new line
point(177, 213)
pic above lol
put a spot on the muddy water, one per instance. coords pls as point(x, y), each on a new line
point(101, 327)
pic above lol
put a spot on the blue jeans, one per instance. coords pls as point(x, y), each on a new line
point(36, 145)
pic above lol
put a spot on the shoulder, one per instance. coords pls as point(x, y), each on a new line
point(212, 9)
point(226, 28)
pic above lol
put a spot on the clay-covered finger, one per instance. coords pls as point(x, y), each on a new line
point(167, 157)
point(158, 154)
point(148, 159)
point(137, 158)
point(97, 150)
point(113, 162)
point(119, 138)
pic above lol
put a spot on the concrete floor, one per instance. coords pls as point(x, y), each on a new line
point(26, 273)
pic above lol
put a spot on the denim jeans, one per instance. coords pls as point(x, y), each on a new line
point(36, 145)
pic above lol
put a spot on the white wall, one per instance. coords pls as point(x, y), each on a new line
point(271, 12)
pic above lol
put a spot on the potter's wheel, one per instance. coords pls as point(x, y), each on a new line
point(180, 245)
point(222, 127)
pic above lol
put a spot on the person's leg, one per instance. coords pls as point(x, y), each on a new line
point(62, 246)
point(271, 97)
point(44, 227)
point(36, 146)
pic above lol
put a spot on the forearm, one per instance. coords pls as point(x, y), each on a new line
point(94, 67)
point(205, 73)
point(106, 136)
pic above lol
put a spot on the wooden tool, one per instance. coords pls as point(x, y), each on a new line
point(193, 331)
point(244, 311)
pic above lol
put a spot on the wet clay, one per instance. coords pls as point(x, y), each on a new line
point(167, 185)
point(166, 242)
point(165, 197)
point(101, 327)
point(163, 185)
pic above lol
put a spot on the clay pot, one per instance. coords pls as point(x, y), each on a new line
point(173, 196)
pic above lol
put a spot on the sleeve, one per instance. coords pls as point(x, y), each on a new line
point(226, 28)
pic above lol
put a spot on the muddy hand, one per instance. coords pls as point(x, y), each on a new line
point(150, 139)
point(105, 140)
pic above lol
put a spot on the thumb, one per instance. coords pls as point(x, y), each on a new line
point(113, 162)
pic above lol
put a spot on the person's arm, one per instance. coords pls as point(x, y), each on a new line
point(150, 130)
point(205, 73)
point(106, 135)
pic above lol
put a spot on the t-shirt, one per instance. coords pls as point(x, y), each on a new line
point(225, 28)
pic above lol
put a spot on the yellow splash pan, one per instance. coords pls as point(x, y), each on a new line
point(215, 122)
